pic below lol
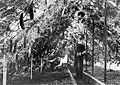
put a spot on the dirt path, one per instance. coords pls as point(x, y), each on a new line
point(78, 81)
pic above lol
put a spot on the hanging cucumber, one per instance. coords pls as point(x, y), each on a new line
point(30, 11)
point(22, 22)
point(15, 46)
point(11, 45)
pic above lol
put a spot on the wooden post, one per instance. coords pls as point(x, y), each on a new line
point(86, 49)
point(41, 65)
point(31, 63)
point(4, 69)
point(105, 43)
point(93, 49)
point(16, 64)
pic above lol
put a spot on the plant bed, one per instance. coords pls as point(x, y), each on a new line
point(60, 77)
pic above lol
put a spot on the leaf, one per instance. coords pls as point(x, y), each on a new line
point(65, 2)
point(113, 3)
point(30, 11)
point(118, 1)
point(7, 12)
point(2, 4)
point(46, 2)
point(82, 14)
point(38, 30)
point(95, 16)
point(22, 22)
point(75, 7)
point(8, 29)
point(111, 11)
point(116, 24)
point(16, 56)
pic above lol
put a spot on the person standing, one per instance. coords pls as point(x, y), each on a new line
point(80, 52)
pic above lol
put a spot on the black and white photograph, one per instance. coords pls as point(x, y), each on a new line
point(59, 42)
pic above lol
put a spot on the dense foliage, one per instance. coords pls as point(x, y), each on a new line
point(41, 30)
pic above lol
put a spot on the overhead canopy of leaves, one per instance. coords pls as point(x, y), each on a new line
point(55, 27)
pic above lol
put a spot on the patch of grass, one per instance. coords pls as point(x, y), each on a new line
point(113, 77)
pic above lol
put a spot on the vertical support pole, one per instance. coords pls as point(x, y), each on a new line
point(16, 64)
point(31, 67)
point(63, 34)
point(41, 65)
point(105, 43)
point(86, 49)
point(4, 68)
point(93, 49)
point(31, 63)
